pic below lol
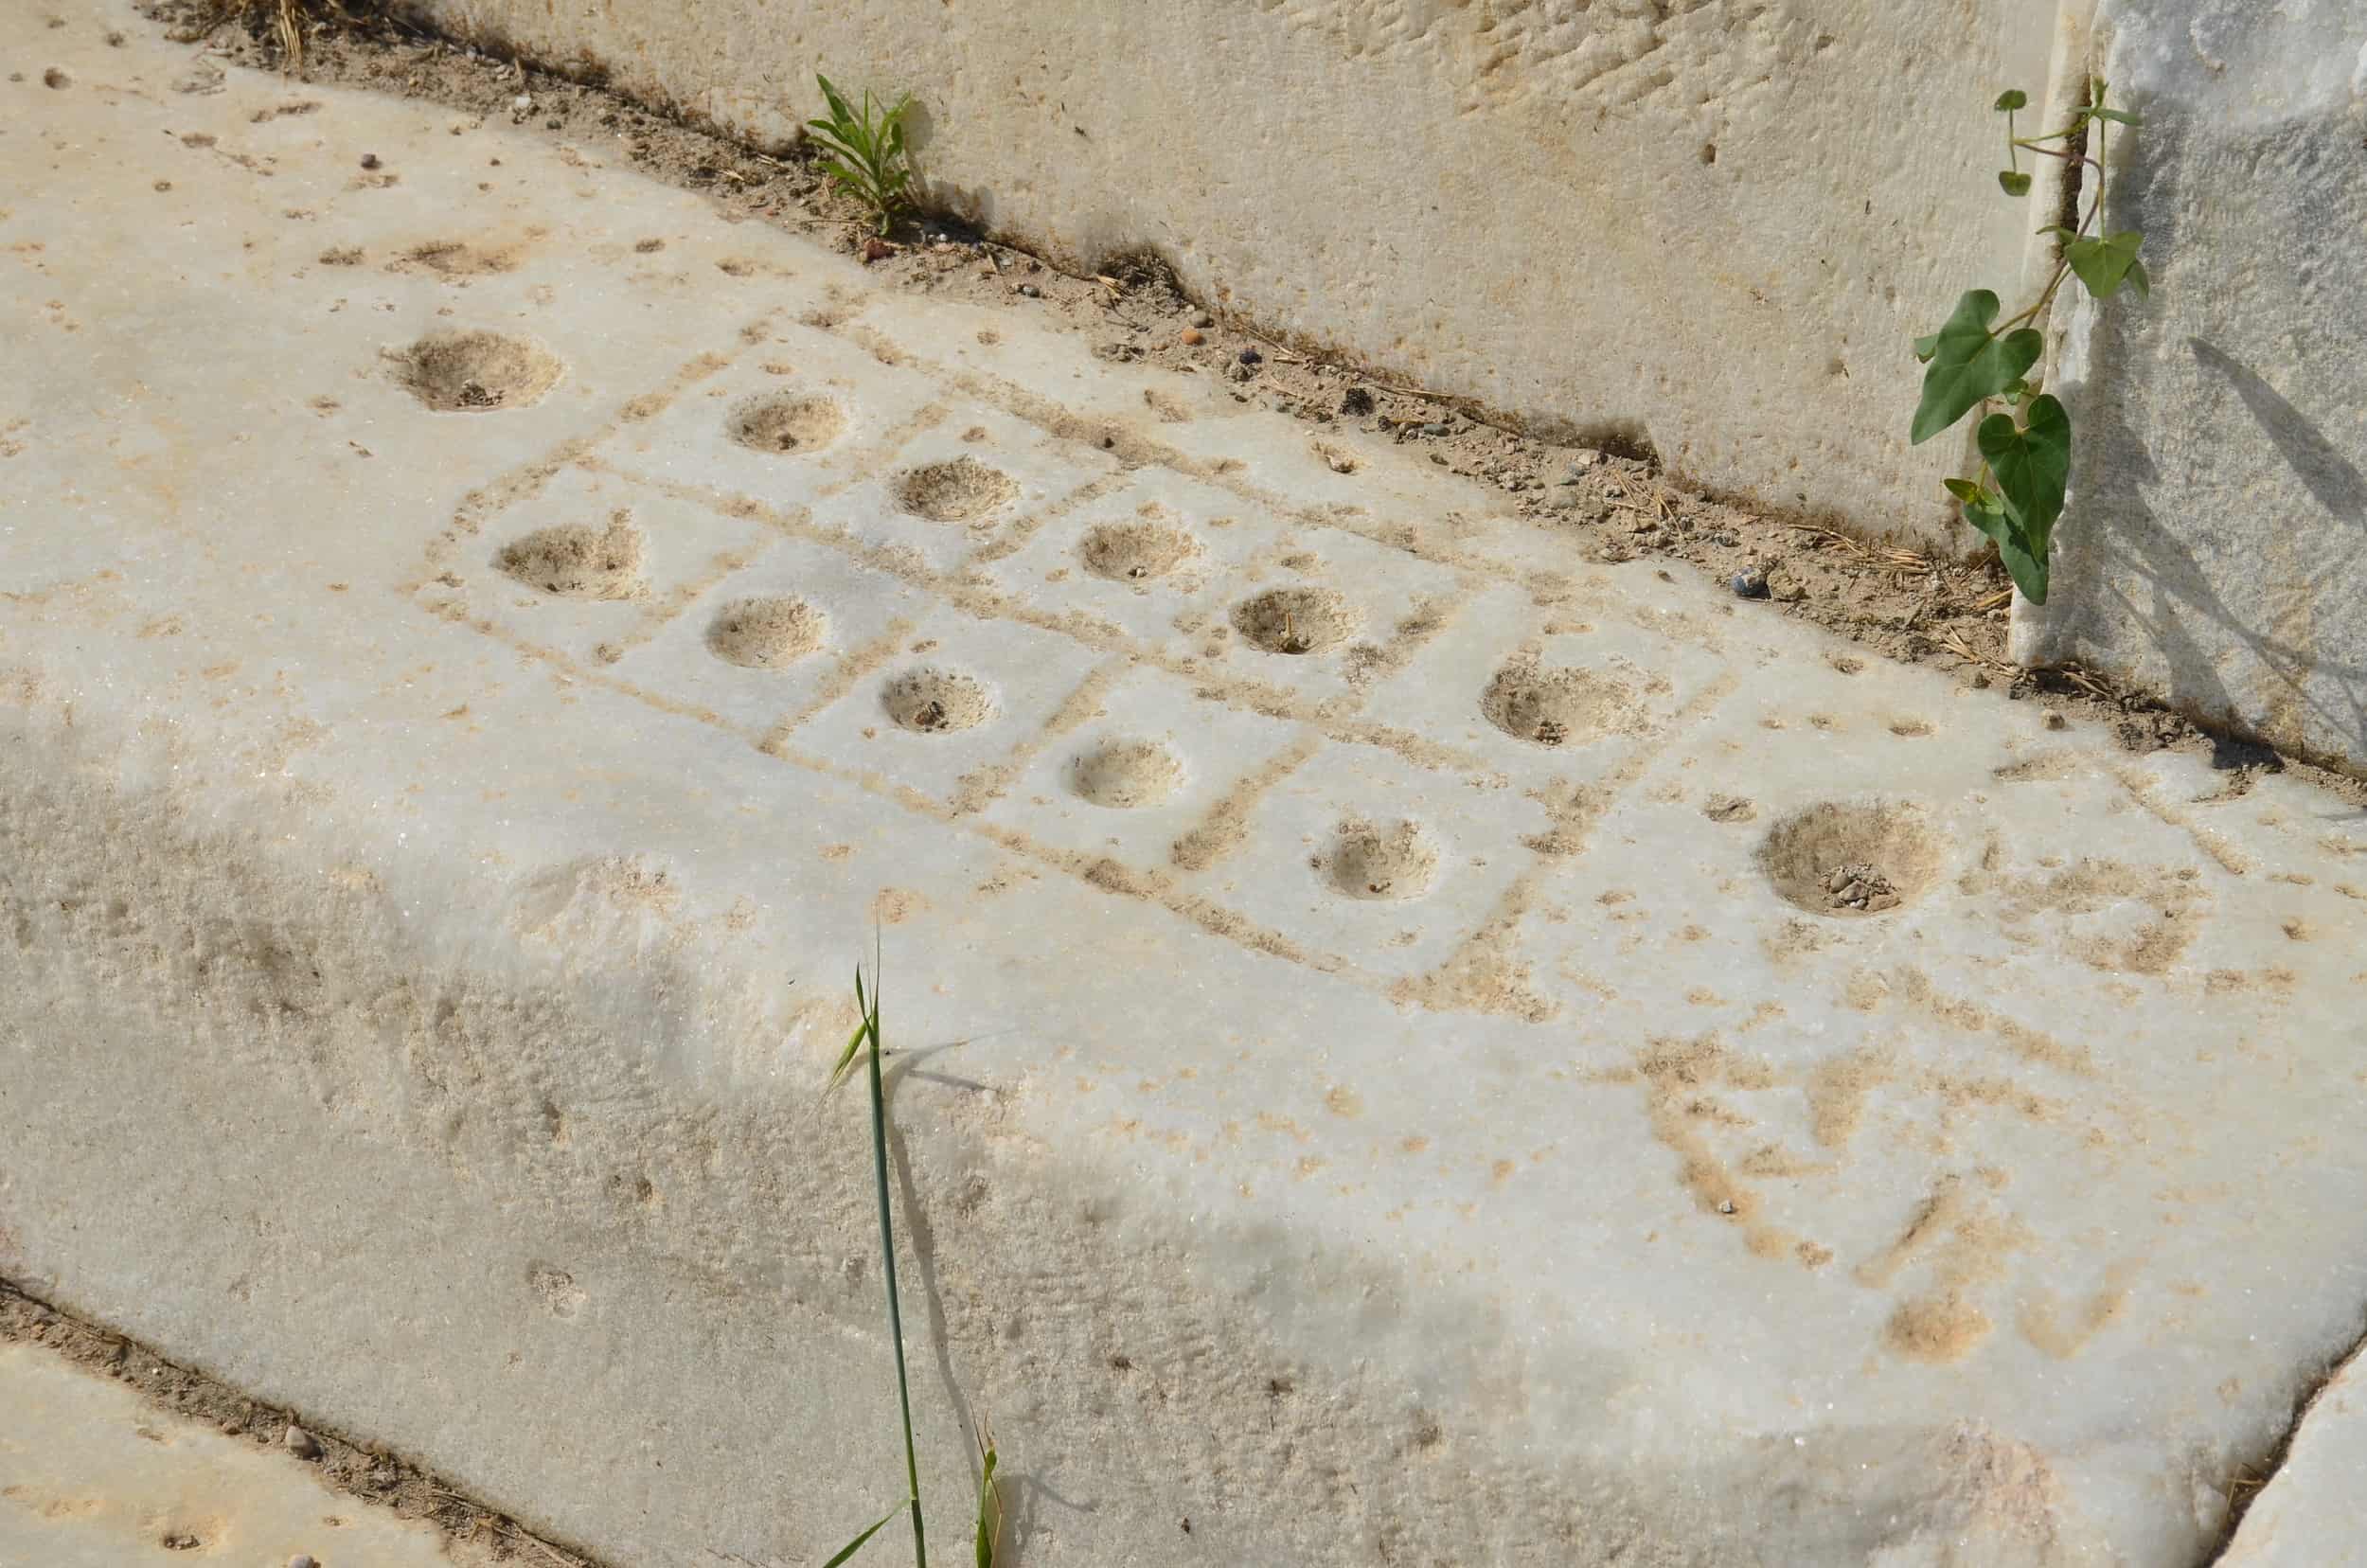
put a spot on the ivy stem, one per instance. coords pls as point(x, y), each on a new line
point(2095, 211)
point(2057, 152)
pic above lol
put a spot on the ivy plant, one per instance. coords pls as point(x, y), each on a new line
point(1979, 365)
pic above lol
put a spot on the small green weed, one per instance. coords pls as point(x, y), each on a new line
point(866, 151)
point(866, 1044)
point(1976, 360)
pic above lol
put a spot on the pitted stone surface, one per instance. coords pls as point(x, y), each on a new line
point(1486, 1058)
point(1741, 269)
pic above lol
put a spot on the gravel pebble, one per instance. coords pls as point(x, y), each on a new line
point(1031, 291)
point(1751, 584)
point(302, 1443)
point(302, 1560)
point(1250, 356)
point(369, 160)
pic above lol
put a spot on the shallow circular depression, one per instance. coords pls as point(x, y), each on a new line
point(786, 421)
point(956, 491)
point(1552, 707)
point(577, 560)
point(1126, 773)
point(1851, 857)
point(765, 633)
point(937, 701)
point(1377, 861)
point(1295, 620)
point(1136, 552)
point(473, 372)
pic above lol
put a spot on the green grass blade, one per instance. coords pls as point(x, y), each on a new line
point(990, 1504)
point(855, 1545)
point(834, 98)
point(887, 1255)
point(846, 1057)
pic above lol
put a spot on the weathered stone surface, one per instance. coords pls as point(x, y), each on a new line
point(1714, 225)
point(2311, 1515)
point(2216, 542)
point(1424, 1097)
point(92, 1477)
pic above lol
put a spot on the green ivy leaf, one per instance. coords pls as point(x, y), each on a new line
point(2028, 572)
point(1965, 490)
point(2103, 264)
point(2013, 98)
point(1926, 347)
point(2032, 463)
point(2119, 116)
point(2013, 181)
point(1967, 365)
point(2138, 281)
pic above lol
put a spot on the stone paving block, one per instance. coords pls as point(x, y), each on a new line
point(91, 1477)
point(2212, 545)
point(1563, 1066)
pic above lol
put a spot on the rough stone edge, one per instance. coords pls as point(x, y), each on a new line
point(1479, 1494)
point(2048, 637)
point(2304, 1401)
point(1439, 1479)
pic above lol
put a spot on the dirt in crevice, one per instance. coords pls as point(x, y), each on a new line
point(475, 1533)
point(1605, 488)
point(2254, 1479)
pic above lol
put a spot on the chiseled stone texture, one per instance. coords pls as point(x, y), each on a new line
point(1715, 224)
point(1387, 1069)
point(2215, 547)
point(2312, 1514)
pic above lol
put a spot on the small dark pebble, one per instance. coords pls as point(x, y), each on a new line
point(1729, 540)
point(1031, 291)
point(1438, 427)
point(1356, 403)
point(369, 160)
point(303, 1559)
point(302, 1443)
point(1751, 584)
point(1250, 356)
